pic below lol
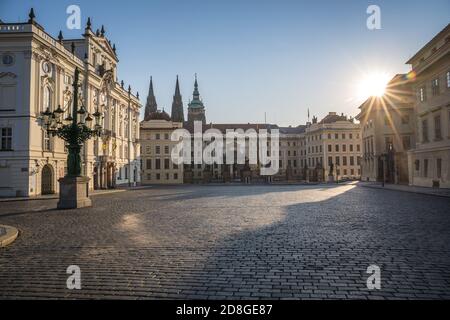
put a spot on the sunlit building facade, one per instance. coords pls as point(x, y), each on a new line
point(429, 160)
point(388, 132)
point(36, 74)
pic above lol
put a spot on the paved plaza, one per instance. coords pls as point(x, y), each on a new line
point(232, 242)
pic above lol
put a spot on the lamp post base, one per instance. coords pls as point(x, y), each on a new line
point(74, 193)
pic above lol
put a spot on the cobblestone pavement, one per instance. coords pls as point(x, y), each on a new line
point(232, 242)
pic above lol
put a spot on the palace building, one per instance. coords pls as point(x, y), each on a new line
point(305, 152)
point(36, 74)
point(388, 132)
point(429, 159)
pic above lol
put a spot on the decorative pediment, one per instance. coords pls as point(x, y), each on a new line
point(104, 43)
point(7, 74)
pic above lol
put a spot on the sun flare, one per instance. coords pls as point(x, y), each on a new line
point(373, 85)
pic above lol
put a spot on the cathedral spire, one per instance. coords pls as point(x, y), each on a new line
point(177, 105)
point(151, 105)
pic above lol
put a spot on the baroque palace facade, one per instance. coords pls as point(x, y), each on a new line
point(306, 152)
point(36, 74)
point(406, 132)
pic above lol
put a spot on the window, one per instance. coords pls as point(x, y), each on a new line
point(358, 148)
point(352, 161)
point(329, 148)
point(336, 136)
point(406, 141)
point(425, 168)
point(329, 136)
point(158, 176)
point(425, 130)
point(6, 139)
point(388, 141)
point(417, 165)
point(330, 161)
point(422, 94)
point(338, 162)
point(344, 161)
point(158, 164)
point(7, 59)
point(351, 148)
point(157, 136)
point(149, 164)
point(344, 147)
point(437, 128)
point(166, 136)
point(439, 168)
point(7, 97)
point(149, 176)
point(166, 149)
point(166, 164)
point(405, 118)
point(435, 86)
point(351, 136)
point(158, 150)
point(175, 176)
point(46, 143)
point(336, 147)
point(343, 136)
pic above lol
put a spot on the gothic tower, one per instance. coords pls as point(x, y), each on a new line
point(196, 109)
point(177, 105)
point(151, 105)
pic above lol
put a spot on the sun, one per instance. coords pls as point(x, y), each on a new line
point(373, 85)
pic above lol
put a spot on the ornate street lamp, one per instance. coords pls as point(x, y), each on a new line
point(75, 130)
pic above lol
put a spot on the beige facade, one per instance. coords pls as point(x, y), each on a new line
point(334, 142)
point(388, 132)
point(156, 144)
point(429, 161)
point(36, 73)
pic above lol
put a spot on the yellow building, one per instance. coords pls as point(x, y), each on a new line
point(388, 132)
point(156, 144)
point(429, 161)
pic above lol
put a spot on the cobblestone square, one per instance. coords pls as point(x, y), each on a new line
point(232, 242)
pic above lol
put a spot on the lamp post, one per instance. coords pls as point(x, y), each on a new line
point(74, 130)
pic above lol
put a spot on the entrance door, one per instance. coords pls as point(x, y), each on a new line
point(47, 180)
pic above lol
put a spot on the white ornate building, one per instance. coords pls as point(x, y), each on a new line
point(36, 73)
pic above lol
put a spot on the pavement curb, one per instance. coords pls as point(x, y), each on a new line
point(56, 197)
point(408, 191)
point(7, 235)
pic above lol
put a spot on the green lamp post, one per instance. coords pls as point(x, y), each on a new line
point(75, 130)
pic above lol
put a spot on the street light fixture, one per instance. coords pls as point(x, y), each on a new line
point(75, 130)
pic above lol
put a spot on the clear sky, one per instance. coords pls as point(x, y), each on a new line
point(254, 56)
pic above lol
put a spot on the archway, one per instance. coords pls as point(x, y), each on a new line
point(47, 180)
